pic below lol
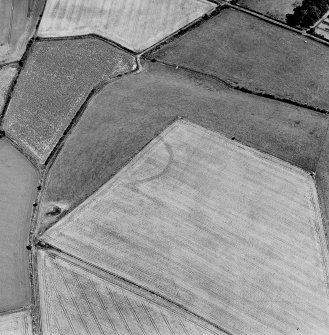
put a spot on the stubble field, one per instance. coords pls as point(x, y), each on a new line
point(71, 291)
point(135, 24)
point(214, 226)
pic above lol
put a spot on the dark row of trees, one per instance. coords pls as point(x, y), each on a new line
point(308, 13)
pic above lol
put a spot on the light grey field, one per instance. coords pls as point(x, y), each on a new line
point(77, 300)
point(16, 323)
point(18, 185)
point(215, 226)
point(135, 24)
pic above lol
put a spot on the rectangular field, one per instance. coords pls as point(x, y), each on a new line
point(229, 233)
point(18, 185)
point(246, 51)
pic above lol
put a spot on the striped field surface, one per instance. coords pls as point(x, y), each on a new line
point(134, 24)
point(74, 300)
point(18, 323)
point(230, 233)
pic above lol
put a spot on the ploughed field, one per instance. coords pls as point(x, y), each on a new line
point(130, 112)
point(55, 82)
point(18, 19)
point(230, 233)
point(134, 24)
point(72, 292)
point(18, 185)
point(248, 52)
point(277, 9)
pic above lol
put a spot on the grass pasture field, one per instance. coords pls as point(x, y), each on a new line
point(18, 21)
point(55, 82)
point(135, 24)
point(71, 292)
point(18, 185)
point(17, 323)
point(130, 112)
point(214, 226)
point(7, 74)
point(249, 52)
point(277, 9)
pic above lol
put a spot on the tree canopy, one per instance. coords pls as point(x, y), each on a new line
point(308, 13)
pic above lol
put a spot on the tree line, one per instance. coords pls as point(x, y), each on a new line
point(307, 13)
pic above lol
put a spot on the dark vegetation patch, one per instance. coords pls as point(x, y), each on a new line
point(259, 56)
point(53, 85)
point(308, 13)
point(130, 112)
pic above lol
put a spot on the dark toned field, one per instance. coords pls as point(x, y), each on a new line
point(56, 80)
point(18, 186)
point(249, 52)
point(129, 112)
point(277, 9)
point(18, 19)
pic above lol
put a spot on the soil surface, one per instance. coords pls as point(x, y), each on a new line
point(18, 185)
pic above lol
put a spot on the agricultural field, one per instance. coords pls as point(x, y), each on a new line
point(128, 113)
point(278, 9)
point(7, 74)
point(54, 84)
point(248, 52)
point(322, 180)
point(72, 292)
point(18, 21)
point(18, 185)
point(17, 323)
point(214, 226)
point(134, 24)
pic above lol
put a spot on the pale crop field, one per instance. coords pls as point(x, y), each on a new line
point(135, 24)
point(18, 186)
point(18, 323)
point(76, 300)
point(230, 233)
